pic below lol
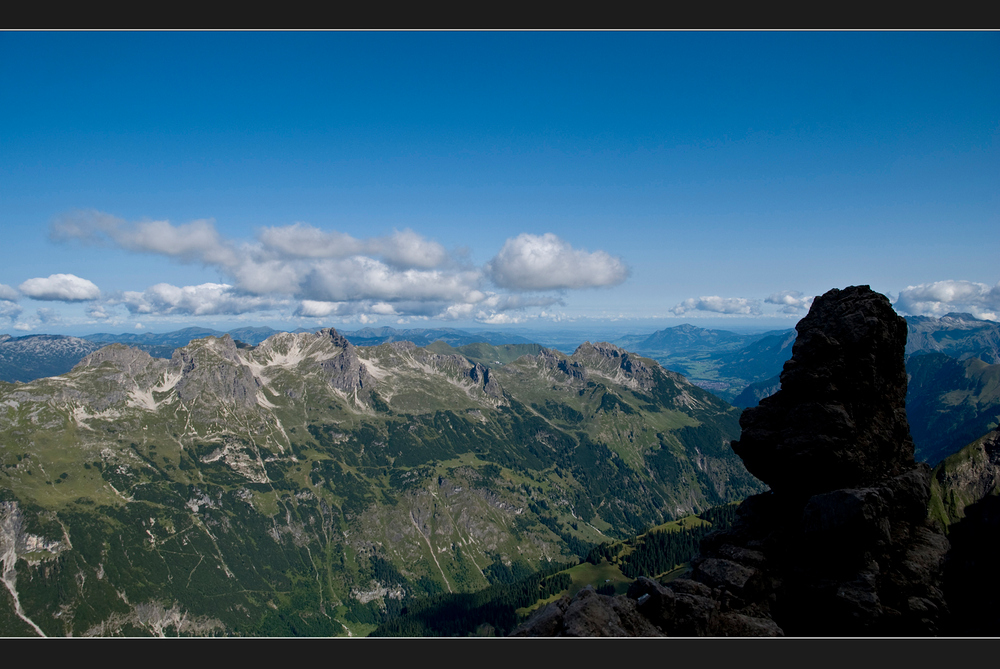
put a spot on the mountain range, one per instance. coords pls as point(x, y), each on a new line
point(36, 356)
point(306, 485)
point(947, 408)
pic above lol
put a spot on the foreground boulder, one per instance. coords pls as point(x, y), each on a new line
point(841, 545)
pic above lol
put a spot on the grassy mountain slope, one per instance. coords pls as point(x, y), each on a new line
point(964, 478)
point(307, 486)
point(949, 402)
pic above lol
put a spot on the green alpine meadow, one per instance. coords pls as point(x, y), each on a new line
point(307, 486)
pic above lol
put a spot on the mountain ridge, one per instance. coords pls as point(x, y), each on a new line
point(359, 477)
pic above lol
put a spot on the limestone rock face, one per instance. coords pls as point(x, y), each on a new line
point(481, 375)
point(213, 373)
point(345, 371)
point(839, 419)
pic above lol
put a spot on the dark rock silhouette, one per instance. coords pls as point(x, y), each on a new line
point(590, 614)
point(841, 545)
point(839, 419)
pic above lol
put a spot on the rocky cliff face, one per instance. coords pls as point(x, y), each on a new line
point(965, 478)
point(841, 545)
point(346, 372)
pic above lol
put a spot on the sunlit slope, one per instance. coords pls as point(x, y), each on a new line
point(307, 486)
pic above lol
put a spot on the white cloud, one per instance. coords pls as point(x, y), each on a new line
point(363, 278)
point(9, 310)
point(546, 262)
point(402, 249)
point(791, 301)
point(304, 241)
point(319, 309)
point(329, 273)
point(206, 299)
point(194, 241)
point(719, 305)
point(48, 316)
point(499, 319)
point(99, 312)
point(60, 287)
point(942, 297)
point(188, 242)
point(8, 293)
point(86, 226)
point(407, 249)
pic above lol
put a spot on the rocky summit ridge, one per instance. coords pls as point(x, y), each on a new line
point(841, 545)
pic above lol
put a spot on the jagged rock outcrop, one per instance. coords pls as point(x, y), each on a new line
point(481, 375)
point(557, 362)
point(212, 371)
point(346, 371)
point(840, 416)
point(626, 367)
point(841, 545)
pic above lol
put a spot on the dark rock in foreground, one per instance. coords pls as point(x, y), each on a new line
point(841, 546)
point(839, 419)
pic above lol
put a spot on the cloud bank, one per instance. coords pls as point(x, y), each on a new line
point(942, 297)
point(719, 305)
point(9, 294)
point(61, 288)
point(790, 301)
point(319, 273)
point(9, 310)
point(207, 299)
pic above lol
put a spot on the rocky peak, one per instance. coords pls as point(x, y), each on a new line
point(335, 338)
point(121, 356)
point(959, 316)
point(839, 419)
point(625, 367)
point(842, 545)
point(213, 372)
point(481, 376)
point(601, 349)
point(346, 371)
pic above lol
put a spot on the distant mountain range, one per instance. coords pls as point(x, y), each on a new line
point(949, 403)
point(958, 335)
point(36, 356)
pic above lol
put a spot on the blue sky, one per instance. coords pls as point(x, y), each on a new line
point(159, 180)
